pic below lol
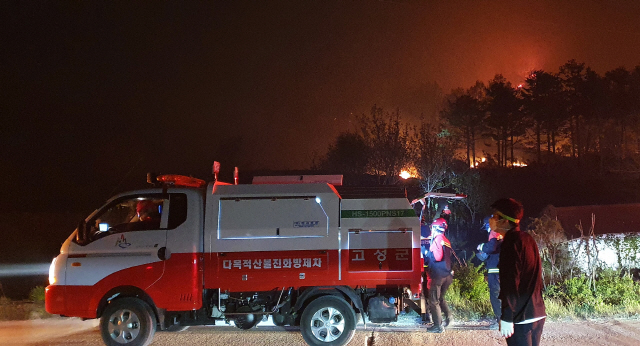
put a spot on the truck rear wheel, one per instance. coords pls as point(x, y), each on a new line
point(127, 321)
point(328, 321)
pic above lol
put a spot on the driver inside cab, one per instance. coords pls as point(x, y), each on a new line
point(148, 215)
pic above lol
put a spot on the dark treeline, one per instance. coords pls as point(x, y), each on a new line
point(574, 117)
point(574, 112)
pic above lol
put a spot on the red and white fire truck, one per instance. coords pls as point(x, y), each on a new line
point(187, 252)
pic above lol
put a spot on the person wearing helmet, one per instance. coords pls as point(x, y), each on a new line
point(491, 251)
point(148, 214)
point(523, 311)
point(439, 276)
point(446, 213)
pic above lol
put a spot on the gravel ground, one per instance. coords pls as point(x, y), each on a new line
point(74, 332)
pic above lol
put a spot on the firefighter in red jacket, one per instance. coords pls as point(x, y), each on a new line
point(523, 310)
point(148, 216)
point(439, 276)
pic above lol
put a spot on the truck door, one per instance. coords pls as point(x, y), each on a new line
point(124, 246)
point(180, 287)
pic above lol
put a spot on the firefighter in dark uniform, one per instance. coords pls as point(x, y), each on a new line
point(425, 243)
point(439, 276)
point(491, 250)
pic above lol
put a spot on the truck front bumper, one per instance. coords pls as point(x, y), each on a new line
point(54, 299)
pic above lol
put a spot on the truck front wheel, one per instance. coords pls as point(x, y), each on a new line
point(328, 321)
point(127, 321)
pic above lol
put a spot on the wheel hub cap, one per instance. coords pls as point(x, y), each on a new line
point(124, 326)
point(327, 324)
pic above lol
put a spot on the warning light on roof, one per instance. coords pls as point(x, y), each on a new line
point(181, 180)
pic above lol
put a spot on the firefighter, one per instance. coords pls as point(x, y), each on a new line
point(425, 242)
point(439, 276)
point(148, 213)
point(491, 250)
point(523, 310)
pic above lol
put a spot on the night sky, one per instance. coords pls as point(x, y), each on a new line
point(95, 94)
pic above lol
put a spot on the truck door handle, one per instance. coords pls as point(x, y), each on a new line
point(164, 254)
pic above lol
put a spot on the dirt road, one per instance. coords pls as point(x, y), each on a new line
point(61, 332)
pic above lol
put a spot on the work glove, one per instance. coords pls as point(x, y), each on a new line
point(506, 328)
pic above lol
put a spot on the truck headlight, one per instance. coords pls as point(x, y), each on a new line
point(52, 271)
